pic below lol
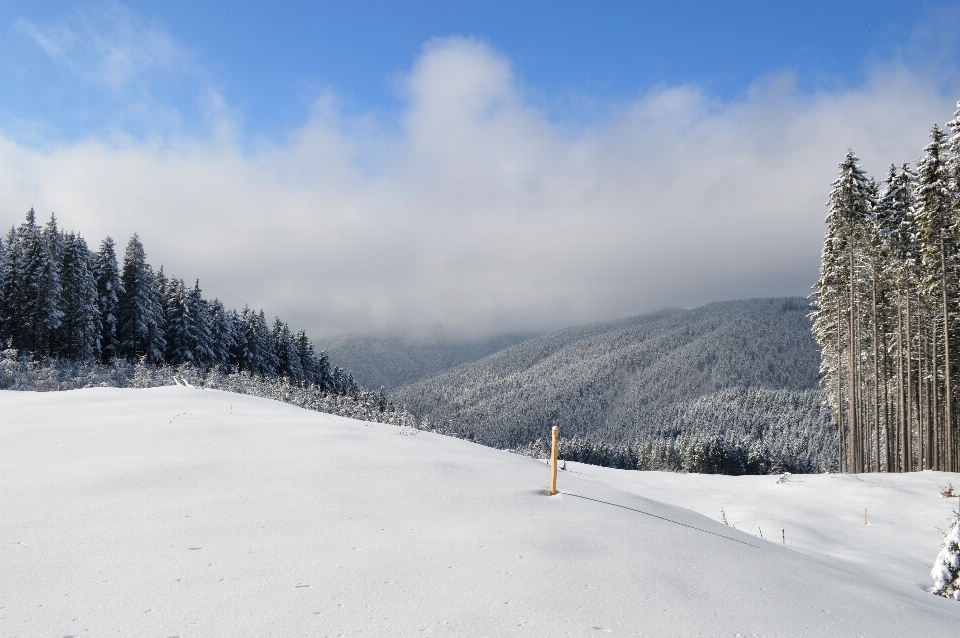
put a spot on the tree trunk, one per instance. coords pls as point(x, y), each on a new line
point(949, 463)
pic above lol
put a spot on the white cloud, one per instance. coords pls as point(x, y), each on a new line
point(482, 215)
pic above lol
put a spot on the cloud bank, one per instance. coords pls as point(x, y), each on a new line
point(480, 213)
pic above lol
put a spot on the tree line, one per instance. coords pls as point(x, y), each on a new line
point(887, 306)
point(61, 300)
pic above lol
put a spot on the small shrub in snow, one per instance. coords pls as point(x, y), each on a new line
point(947, 491)
point(946, 568)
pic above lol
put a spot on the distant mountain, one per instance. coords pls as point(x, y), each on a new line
point(745, 371)
point(392, 362)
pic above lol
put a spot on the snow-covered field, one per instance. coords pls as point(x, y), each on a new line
point(180, 512)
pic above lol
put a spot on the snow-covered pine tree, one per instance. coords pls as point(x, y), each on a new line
point(286, 352)
point(223, 331)
point(109, 288)
point(179, 338)
point(79, 334)
point(257, 344)
point(946, 567)
point(324, 377)
point(35, 293)
point(837, 324)
point(308, 359)
point(141, 317)
point(53, 239)
point(892, 216)
point(953, 166)
point(939, 245)
point(199, 318)
point(7, 261)
point(339, 380)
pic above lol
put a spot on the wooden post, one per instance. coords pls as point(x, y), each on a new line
point(865, 516)
point(553, 462)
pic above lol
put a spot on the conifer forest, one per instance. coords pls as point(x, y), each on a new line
point(63, 302)
point(887, 311)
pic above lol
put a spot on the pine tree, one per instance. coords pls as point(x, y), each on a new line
point(939, 245)
point(199, 319)
point(109, 289)
point(308, 359)
point(286, 352)
point(256, 340)
point(946, 567)
point(141, 317)
point(81, 327)
point(223, 330)
point(178, 335)
point(7, 286)
point(837, 324)
point(34, 292)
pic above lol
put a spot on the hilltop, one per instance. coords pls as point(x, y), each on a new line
point(179, 511)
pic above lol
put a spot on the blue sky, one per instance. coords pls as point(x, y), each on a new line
point(270, 60)
point(460, 168)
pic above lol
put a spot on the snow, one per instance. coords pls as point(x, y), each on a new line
point(183, 512)
point(820, 515)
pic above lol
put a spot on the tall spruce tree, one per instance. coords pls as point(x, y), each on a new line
point(939, 245)
point(179, 338)
point(838, 291)
point(35, 291)
point(223, 331)
point(7, 259)
point(81, 327)
point(141, 317)
point(109, 290)
point(288, 356)
point(198, 316)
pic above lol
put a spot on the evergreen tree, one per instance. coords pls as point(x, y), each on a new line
point(81, 327)
point(223, 330)
point(178, 333)
point(838, 323)
point(324, 377)
point(109, 289)
point(34, 293)
point(141, 316)
point(257, 342)
point(946, 567)
point(198, 315)
point(939, 246)
point(286, 352)
point(7, 269)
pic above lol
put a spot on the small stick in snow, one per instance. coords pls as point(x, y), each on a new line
point(865, 516)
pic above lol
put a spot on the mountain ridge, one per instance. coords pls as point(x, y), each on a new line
point(630, 380)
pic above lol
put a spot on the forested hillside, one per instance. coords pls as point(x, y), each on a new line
point(736, 377)
point(61, 301)
point(392, 362)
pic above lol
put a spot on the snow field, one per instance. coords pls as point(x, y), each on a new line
point(182, 512)
point(819, 514)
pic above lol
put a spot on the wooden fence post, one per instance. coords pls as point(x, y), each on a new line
point(553, 461)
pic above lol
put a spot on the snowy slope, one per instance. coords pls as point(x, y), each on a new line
point(818, 514)
point(180, 512)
